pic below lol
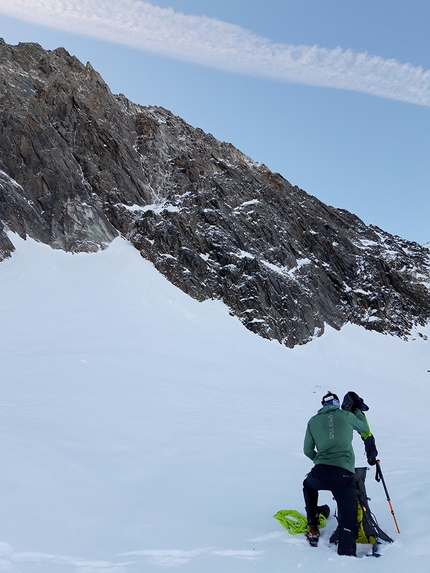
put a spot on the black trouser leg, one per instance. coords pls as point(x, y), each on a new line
point(346, 499)
point(311, 486)
point(311, 503)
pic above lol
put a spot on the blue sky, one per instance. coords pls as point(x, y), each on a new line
point(332, 94)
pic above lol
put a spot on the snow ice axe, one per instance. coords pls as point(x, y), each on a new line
point(379, 477)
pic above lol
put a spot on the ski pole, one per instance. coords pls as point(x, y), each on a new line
point(379, 477)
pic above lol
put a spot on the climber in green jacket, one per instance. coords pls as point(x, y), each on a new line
point(328, 443)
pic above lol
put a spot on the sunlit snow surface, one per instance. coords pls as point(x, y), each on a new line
point(142, 430)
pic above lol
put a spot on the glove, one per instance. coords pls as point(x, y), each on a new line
point(352, 401)
point(371, 451)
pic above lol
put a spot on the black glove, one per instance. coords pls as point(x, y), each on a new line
point(352, 402)
point(371, 451)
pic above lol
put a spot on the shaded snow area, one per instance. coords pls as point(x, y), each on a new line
point(142, 430)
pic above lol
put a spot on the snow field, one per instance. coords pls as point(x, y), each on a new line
point(142, 430)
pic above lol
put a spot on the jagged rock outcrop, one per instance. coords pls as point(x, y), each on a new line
point(79, 165)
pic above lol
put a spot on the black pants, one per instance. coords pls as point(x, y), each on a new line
point(342, 485)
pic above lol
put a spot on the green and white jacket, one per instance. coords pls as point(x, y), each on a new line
point(329, 434)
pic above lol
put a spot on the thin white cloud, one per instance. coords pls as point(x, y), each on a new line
point(213, 43)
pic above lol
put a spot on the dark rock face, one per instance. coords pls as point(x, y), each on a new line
point(79, 165)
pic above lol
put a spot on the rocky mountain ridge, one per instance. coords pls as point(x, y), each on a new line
point(79, 165)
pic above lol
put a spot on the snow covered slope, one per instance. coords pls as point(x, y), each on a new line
point(141, 429)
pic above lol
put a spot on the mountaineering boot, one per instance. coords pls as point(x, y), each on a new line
point(313, 536)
